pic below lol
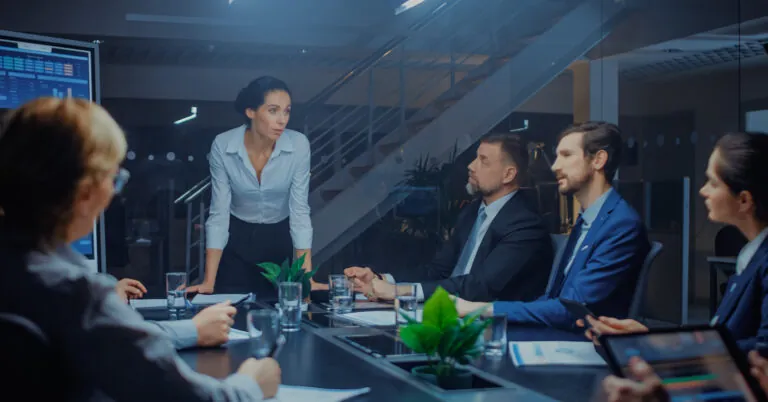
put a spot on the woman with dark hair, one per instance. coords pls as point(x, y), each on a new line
point(259, 208)
point(735, 194)
point(59, 169)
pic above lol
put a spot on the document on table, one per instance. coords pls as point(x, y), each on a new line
point(555, 353)
point(206, 300)
point(149, 303)
point(290, 393)
point(377, 318)
point(235, 335)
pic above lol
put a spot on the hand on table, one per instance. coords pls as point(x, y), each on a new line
point(213, 324)
point(759, 369)
point(645, 386)
point(130, 289)
point(203, 288)
point(266, 372)
point(609, 325)
point(363, 274)
point(464, 307)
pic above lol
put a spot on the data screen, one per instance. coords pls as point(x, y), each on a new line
point(692, 365)
point(31, 70)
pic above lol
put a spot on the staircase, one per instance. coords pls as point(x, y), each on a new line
point(485, 63)
point(353, 198)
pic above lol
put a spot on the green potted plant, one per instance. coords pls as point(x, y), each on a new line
point(290, 273)
point(447, 340)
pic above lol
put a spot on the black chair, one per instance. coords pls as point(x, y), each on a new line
point(638, 300)
point(28, 363)
point(558, 245)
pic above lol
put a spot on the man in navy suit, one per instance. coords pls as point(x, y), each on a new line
point(606, 248)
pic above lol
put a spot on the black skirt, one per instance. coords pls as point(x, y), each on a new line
point(251, 244)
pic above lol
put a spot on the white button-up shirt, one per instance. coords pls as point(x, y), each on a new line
point(282, 192)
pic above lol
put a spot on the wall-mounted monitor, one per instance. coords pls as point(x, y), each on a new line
point(33, 66)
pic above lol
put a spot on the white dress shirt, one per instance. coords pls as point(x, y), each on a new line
point(282, 192)
point(748, 251)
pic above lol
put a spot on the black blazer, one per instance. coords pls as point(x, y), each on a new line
point(513, 261)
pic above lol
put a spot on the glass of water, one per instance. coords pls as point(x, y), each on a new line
point(495, 336)
point(176, 293)
point(406, 302)
point(290, 306)
point(341, 292)
point(264, 329)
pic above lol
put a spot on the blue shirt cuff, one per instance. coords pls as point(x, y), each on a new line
point(242, 381)
point(302, 239)
point(183, 333)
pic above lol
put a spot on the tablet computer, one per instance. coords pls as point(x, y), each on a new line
point(698, 363)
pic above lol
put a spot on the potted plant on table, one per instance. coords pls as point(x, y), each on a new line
point(447, 340)
point(292, 273)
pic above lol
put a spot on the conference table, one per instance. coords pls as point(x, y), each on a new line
point(326, 353)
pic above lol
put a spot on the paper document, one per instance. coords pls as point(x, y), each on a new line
point(290, 393)
point(235, 335)
point(205, 300)
point(555, 353)
point(376, 318)
point(149, 303)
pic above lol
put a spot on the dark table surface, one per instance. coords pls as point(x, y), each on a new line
point(315, 357)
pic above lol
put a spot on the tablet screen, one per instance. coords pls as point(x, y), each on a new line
point(692, 365)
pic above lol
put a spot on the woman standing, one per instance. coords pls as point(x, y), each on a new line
point(259, 209)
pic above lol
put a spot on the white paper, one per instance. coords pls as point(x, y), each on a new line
point(290, 393)
point(235, 335)
point(149, 303)
point(360, 297)
point(555, 353)
point(376, 318)
point(204, 300)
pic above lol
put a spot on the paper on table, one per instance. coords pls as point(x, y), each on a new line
point(149, 303)
point(235, 335)
point(289, 393)
point(376, 318)
point(204, 300)
point(555, 353)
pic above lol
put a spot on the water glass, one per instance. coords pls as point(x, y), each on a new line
point(176, 294)
point(341, 293)
point(264, 329)
point(290, 306)
point(495, 336)
point(406, 301)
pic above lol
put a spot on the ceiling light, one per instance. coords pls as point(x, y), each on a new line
point(188, 118)
point(407, 5)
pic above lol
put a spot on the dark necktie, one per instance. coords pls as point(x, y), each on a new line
point(557, 285)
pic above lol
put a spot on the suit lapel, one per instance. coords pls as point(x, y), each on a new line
point(581, 255)
point(737, 284)
point(485, 243)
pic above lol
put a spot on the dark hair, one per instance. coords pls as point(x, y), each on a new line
point(514, 147)
point(47, 148)
point(599, 135)
point(253, 96)
point(742, 167)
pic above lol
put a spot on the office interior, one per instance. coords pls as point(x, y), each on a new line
point(394, 102)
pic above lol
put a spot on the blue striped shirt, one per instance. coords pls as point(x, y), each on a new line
point(282, 193)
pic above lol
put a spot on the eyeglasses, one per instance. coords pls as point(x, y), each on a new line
point(121, 178)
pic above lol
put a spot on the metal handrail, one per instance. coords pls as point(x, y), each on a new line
point(187, 196)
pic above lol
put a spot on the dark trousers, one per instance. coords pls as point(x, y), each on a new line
point(251, 244)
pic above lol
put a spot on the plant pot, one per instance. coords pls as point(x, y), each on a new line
point(461, 379)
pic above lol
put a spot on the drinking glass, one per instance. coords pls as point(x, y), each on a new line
point(264, 329)
point(176, 294)
point(406, 302)
point(341, 292)
point(290, 306)
point(495, 336)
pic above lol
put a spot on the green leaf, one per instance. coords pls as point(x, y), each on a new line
point(448, 340)
point(410, 320)
point(439, 310)
point(472, 316)
point(270, 268)
point(468, 337)
point(421, 338)
point(306, 287)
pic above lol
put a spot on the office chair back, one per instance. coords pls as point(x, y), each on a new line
point(558, 245)
point(28, 361)
point(638, 300)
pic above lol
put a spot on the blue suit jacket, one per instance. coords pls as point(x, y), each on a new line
point(744, 309)
point(603, 275)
